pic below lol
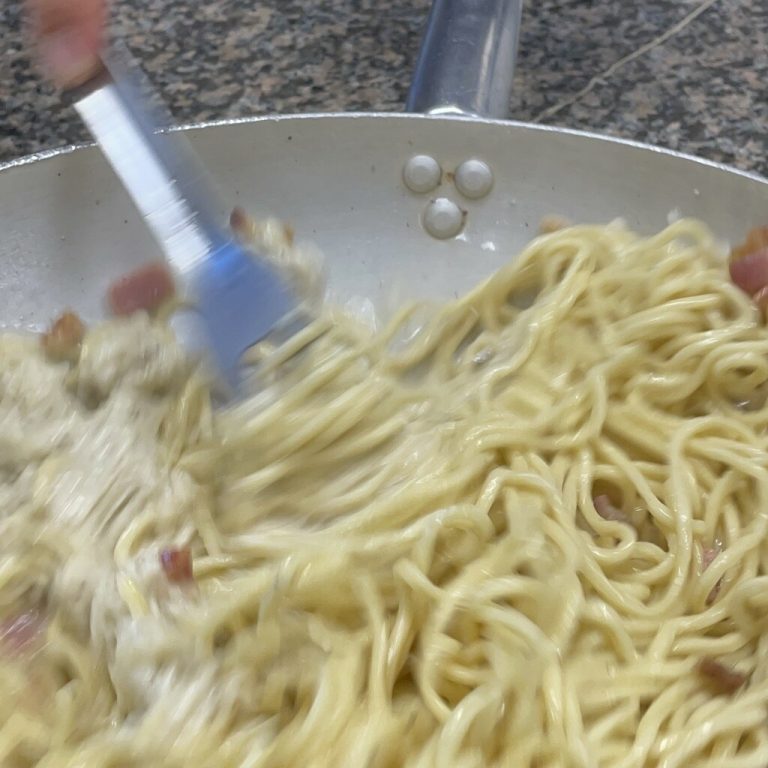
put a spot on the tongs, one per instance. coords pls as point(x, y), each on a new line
point(238, 296)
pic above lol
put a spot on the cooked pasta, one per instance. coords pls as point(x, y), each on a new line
point(527, 528)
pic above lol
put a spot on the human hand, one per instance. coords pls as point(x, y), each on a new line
point(69, 35)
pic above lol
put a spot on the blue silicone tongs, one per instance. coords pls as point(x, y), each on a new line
point(238, 296)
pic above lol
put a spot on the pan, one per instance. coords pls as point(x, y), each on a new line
point(390, 228)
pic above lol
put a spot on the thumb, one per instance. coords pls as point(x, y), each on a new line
point(69, 35)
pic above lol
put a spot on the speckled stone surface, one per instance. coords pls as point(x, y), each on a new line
point(686, 74)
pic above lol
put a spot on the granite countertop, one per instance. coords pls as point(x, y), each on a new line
point(687, 74)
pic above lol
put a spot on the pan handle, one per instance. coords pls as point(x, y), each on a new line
point(467, 58)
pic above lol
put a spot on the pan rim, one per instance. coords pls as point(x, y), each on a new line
point(67, 149)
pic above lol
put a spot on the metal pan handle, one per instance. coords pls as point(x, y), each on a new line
point(467, 58)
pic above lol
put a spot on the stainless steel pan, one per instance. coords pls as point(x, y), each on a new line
point(68, 229)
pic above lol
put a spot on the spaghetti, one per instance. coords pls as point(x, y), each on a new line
point(531, 533)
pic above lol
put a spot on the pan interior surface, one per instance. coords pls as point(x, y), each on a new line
point(69, 229)
point(524, 526)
